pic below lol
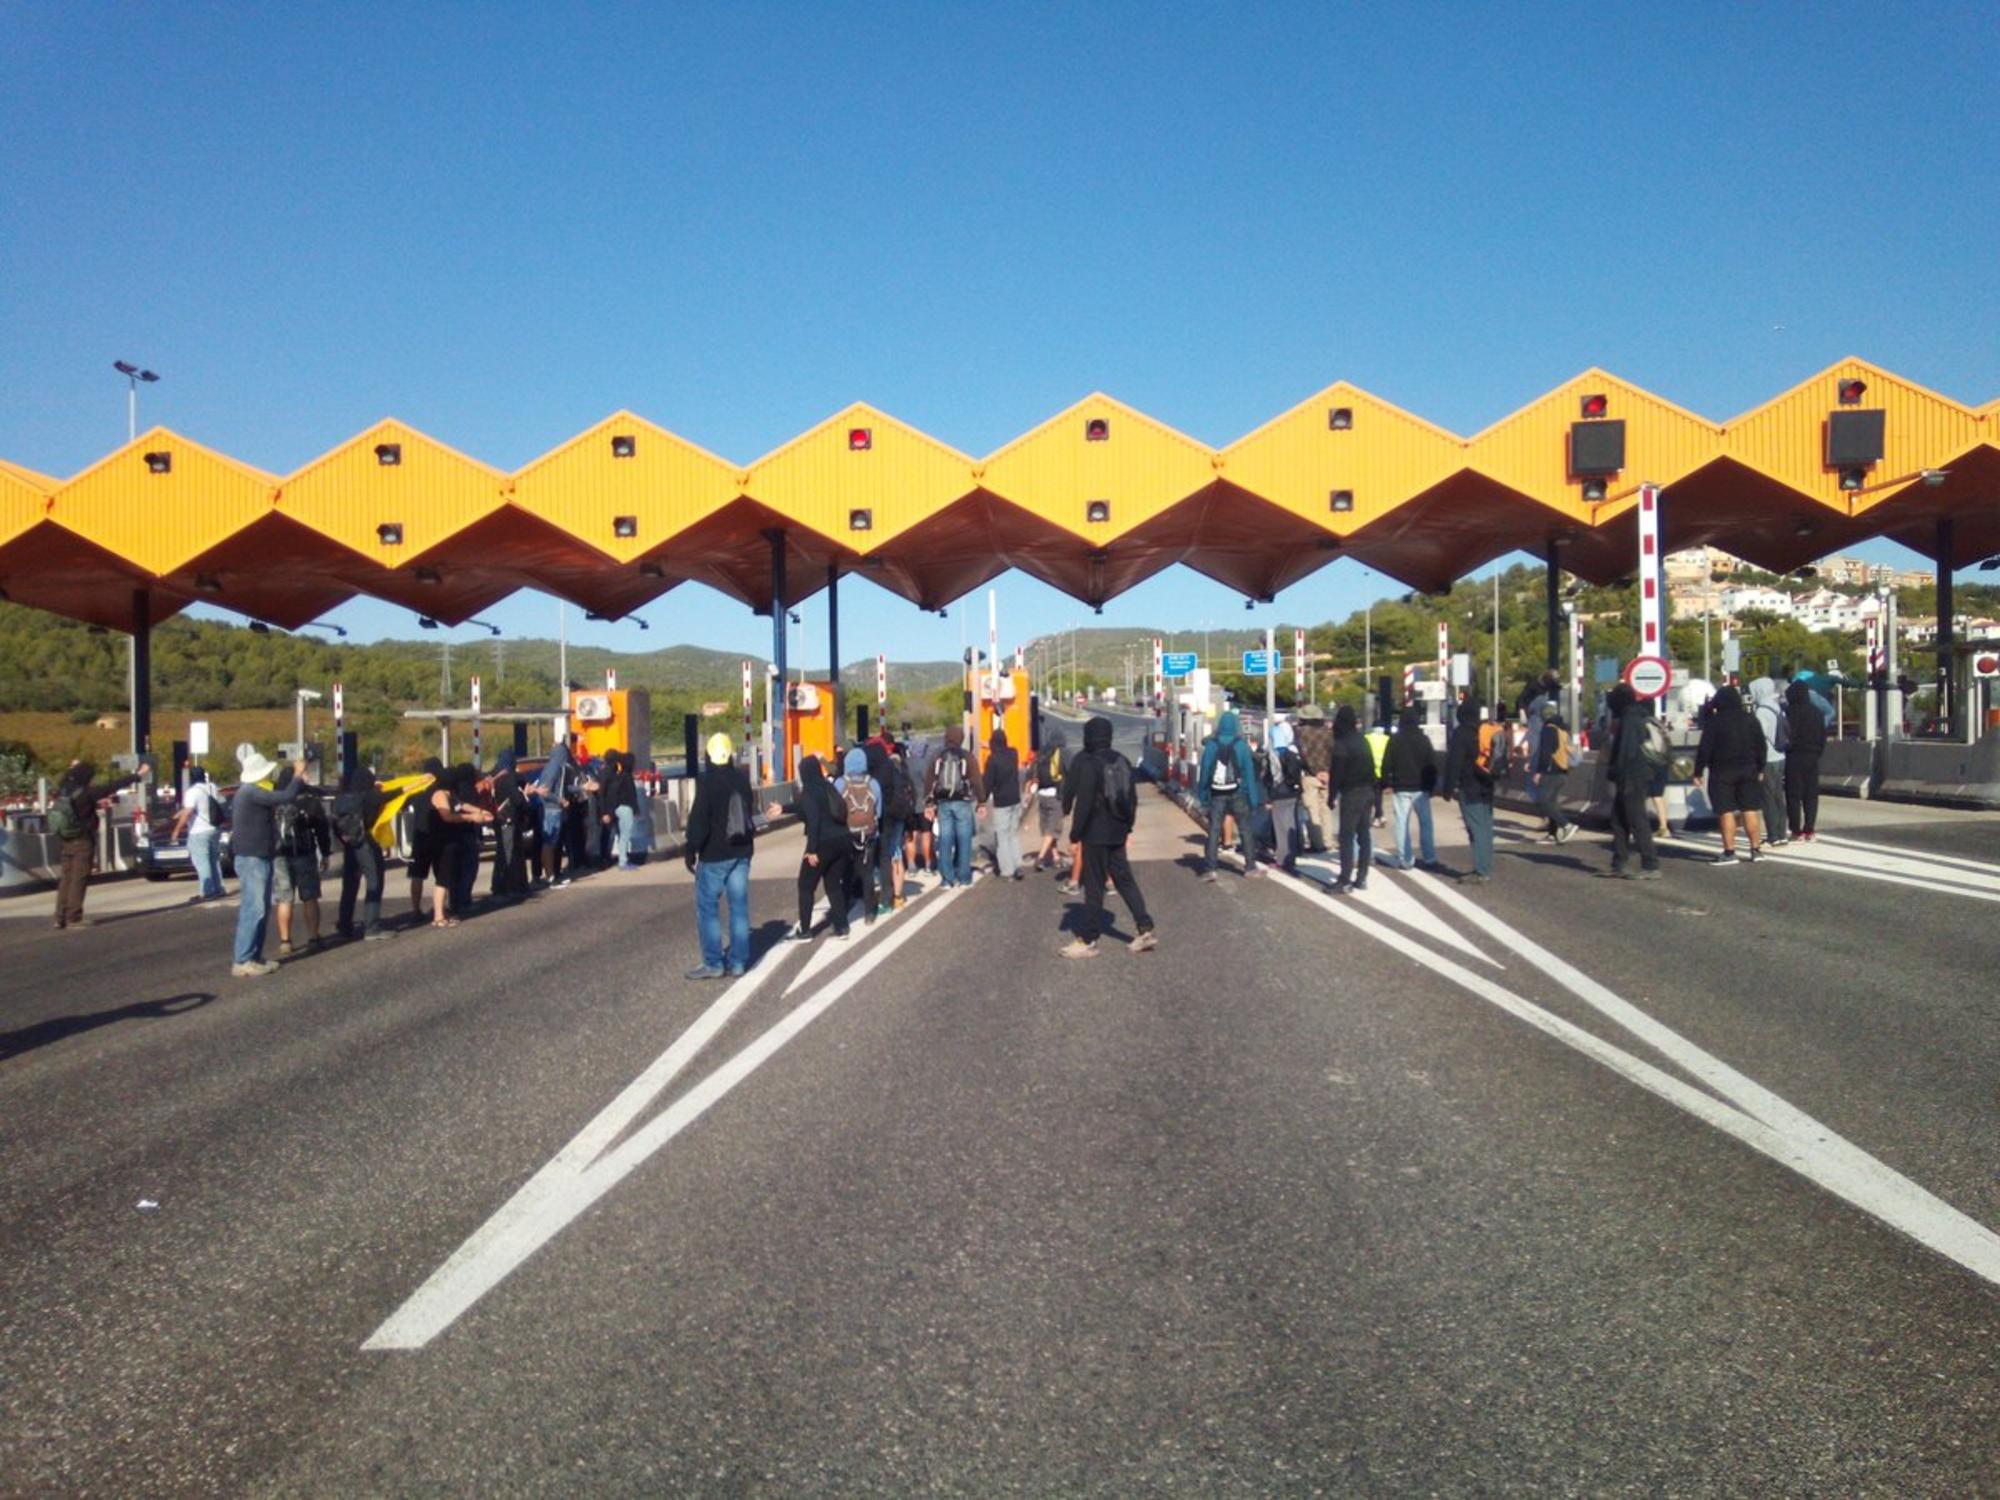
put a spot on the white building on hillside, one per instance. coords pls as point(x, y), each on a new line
point(1756, 600)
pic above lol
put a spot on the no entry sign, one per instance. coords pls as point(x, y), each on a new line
point(1648, 676)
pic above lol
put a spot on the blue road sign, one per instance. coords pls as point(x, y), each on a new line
point(1253, 663)
point(1177, 663)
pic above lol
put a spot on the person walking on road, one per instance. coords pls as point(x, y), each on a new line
point(1411, 771)
point(305, 852)
point(1378, 747)
point(830, 850)
point(899, 809)
point(1733, 753)
point(720, 835)
point(1469, 777)
point(1316, 756)
point(1287, 785)
point(355, 811)
point(861, 803)
point(254, 846)
point(1049, 769)
point(953, 795)
point(1768, 702)
point(552, 792)
point(1549, 768)
point(1003, 795)
point(73, 820)
point(200, 819)
point(1227, 786)
point(1806, 728)
point(1352, 781)
point(1629, 767)
point(1101, 795)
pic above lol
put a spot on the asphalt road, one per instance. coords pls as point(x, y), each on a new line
point(1555, 1186)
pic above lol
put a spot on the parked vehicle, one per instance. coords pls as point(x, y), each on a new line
point(156, 853)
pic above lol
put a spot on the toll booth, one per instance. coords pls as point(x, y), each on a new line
point(614, 719)
point(1016, 709)
point(811, 724)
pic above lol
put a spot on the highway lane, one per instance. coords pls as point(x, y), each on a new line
point(1278, 1207)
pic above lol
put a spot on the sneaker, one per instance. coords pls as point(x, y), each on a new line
point(841, 936)
point(1077, 948)
point(798, 934)
point(704, 971)
point(1756, 854)
point(736, 973)
point(376, 935)
point(1252, 871)
point(1145, 942)
point(899, 903)
point(1652, 874)
point(1565, 833)
point(284, 950)
point(1208, 877)
point(1548, 838)
point(1071, 888)
point(1778, 842)
point(1475, 878)
point(556, 885)
point(1359, 885)
point(1729, 857)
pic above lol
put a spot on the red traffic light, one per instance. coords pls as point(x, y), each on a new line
point(1851, 392)
point(1596, 405)
point(860, 439)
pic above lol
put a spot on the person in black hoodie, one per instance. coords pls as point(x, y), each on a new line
point(720, 837)
point(1102, 828)
point(511, 817)
point(1806, 726)
point(1732, 751)
point(1472, 784)
point(1631, 777)
point(1411, 769)
point(355, 810)
point(1352, 780)
point(829, 853)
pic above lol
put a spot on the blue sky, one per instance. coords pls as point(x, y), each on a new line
point(502, 223)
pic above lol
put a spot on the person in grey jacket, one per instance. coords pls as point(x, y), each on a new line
point(1767, 700)
point(254, 845)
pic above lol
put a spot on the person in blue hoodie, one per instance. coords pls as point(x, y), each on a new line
point(861, 800)
point(1227, 786)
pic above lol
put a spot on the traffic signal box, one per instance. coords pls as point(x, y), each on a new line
point(1016, 696)
point(811, 726)
point(614, 719)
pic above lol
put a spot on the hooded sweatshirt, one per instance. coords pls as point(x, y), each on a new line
point(1462, 777)
point(1769, 706)
point(1353, 766)
point(820, 808)
point(1805, 724)
point(708, 819)
point(1411, 765)
point(856, 768)
point(954, 744)
point(84, 796)
point(1003, 772)
point(1732, 741)
point(1227, 740)
point(1092, 821)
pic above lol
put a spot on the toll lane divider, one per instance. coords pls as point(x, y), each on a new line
point(585, 1170)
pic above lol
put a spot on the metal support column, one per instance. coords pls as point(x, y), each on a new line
point(782, 770)
point(1946, 637)
point(142, 671)
point(1552, 596)
point(833, 648)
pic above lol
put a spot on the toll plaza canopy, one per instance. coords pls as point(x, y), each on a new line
point(1093, 501)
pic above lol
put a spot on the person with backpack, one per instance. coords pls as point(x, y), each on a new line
point(1733, 753)
point(1351, 780)
point(954, 799)
point(1101, 795)
point(829, 853)
point(1226, 784)
point(719, 841)
point(861, 808)
point(356, 808)
point(1549, 770)
point(1769, 705)
point(899, 811)
point(305, 852)
point(552, 791)
point(1287, 785)
point(1470, 771)
point(1410, 768)
point(254, 846)
point(72, 819)
point(1637, 750)
point(1316, 755)
point(1048, 774)
point(200, 820)
point(1003, 794)
point(1806, 734)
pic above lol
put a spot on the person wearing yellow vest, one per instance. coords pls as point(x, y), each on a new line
point(1378, 745)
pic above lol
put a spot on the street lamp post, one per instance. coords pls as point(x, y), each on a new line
point(300, 699)
point(133, 375)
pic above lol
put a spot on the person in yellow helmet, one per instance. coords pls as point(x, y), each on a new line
point(720, 832)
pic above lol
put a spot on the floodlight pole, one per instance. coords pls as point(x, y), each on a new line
point(833, 647)
point(1553, 598)
point(1946, 636)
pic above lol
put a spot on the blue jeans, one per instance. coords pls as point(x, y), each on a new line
point(1479, 828)
point(714, 878)
point(1418, 803)
point(204, 850)
point(623, 838)
point(954, 830)
point(253, 878)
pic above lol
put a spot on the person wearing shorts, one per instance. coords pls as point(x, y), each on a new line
point(1732, 753)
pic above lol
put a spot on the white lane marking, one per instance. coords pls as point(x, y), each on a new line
point(1393, 899)
point(532, 1217)
point(831, 950)
point(1957, 861)
point(1794, 1138)
point(1889, 867)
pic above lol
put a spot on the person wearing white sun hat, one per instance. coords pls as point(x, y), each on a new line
point(253, 843)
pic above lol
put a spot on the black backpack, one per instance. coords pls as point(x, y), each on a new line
point(285, 823)
point(736, 830)
point(350, 821)
point(901, 794)
point(1116, 791)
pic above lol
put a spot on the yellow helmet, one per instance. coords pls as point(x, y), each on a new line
point(720, 750)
